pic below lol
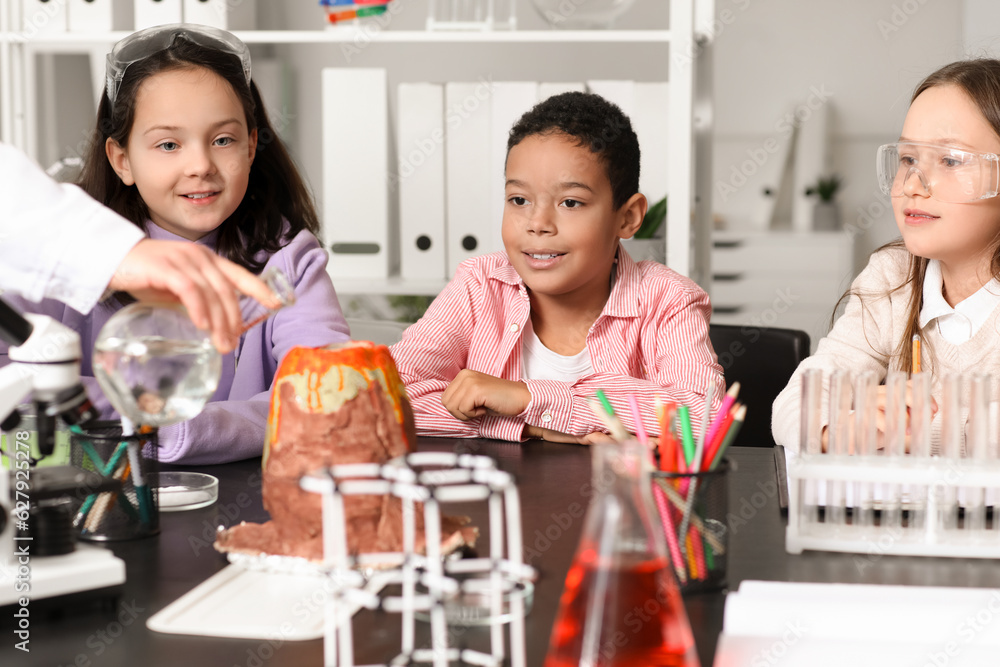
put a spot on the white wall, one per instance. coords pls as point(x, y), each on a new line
point(865, 55)
point(443, 62)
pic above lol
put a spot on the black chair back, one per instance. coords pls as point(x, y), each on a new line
point(762, 360)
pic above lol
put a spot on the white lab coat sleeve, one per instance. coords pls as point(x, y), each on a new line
point(56, 241)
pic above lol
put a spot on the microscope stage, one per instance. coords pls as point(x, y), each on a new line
point(88, 567)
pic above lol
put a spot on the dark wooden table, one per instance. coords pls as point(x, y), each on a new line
point(554, 486)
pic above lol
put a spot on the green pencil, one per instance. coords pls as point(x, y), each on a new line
point(605, 402)
point(687, 437)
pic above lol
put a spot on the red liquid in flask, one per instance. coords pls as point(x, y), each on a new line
point(643, 622)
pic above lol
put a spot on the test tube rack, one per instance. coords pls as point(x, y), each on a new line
point(916, 506)
point(868, 479)
point(426, 581)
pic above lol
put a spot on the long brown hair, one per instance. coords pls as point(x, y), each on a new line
point(275, 190)
point(980, 79)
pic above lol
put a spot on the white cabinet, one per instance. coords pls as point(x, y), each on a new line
point(790, 280)
point(683, 64)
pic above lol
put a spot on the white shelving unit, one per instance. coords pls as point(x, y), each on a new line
point(687, 69)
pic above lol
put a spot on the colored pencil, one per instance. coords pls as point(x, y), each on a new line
point(687, 438)
point(610, 421)
point(720, 416)
point(741, 415)
point(668, 528)
point(695, 463)
point(668, 443)
point(640, 429)
point(720, 437)
point(916, 353)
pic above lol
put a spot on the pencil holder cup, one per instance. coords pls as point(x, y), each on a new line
point(130, 513)
point(692, 509)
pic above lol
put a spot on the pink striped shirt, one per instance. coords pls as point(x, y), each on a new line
point(650, 339)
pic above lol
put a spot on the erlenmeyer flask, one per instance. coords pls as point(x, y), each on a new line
point(621, 605)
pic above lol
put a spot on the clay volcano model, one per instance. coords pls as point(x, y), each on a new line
point(339, 404)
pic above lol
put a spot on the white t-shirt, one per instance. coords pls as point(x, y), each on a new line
point(541, 363)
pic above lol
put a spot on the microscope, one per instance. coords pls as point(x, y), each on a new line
point(45, 371)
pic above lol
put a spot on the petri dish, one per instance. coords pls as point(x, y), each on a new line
point(179, 491)
point(472, 605)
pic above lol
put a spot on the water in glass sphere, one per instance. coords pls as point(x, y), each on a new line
point(154, 366)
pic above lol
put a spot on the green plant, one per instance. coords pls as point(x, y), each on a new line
point(826, 187)
point(654, 219)
point(409, 308)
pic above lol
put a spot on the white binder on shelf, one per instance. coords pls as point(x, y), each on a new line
point(510, 100)
point(157, 12)
point(649, 120)
point(224, 14)
point(547, 89)
point(621, 93)
point(43, 17)
point(355, 202)
point(467, 170)
point(812, 160)
point(420, 180)
point(99, 15)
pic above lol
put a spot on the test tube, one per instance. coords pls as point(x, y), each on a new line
point(951, 447)
point(811, 442)
point(977, 450)
point(865, 443)
point(839, 434)
point(921, 411)
point(896, 418)
point(254, 312)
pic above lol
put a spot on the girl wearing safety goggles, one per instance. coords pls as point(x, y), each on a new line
point(183, 148)
point(938, 284)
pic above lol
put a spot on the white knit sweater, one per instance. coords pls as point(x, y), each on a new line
point(866, 336)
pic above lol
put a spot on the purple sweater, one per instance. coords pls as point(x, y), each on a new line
point(232, 425)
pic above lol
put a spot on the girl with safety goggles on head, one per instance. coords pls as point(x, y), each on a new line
point(184, 149)
point(938, 284)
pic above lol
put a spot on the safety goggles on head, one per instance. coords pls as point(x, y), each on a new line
point(144, 43)
point(947, 174)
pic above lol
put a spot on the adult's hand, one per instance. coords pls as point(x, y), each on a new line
point(193, 275)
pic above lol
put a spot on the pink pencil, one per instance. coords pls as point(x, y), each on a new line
point(640, 430)
point(668, 528)
point(720, 416)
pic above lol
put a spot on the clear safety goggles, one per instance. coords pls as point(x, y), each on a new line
point(947, 174)
point(144, 43)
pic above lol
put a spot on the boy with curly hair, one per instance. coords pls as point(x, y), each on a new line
point(519, 340)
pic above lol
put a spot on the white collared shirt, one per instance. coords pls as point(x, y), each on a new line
point(959, 324)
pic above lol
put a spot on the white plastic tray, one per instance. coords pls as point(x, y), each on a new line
point(245, 604)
